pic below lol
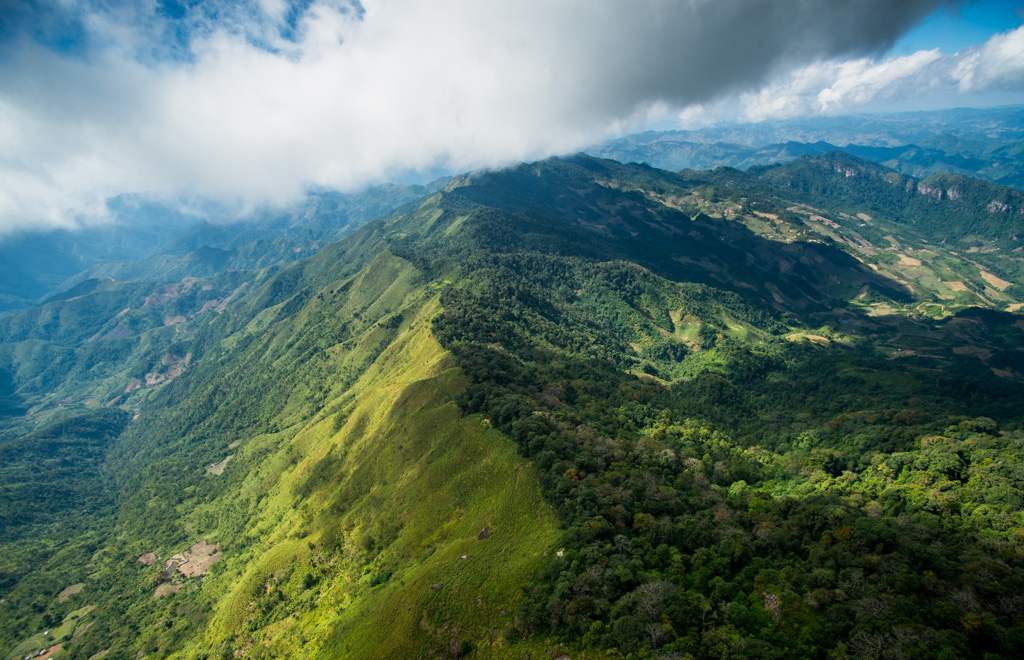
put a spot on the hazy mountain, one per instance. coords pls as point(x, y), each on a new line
point(146, 240)
point(985, 144)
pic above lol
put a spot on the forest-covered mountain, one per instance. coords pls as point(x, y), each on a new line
point(572, 407)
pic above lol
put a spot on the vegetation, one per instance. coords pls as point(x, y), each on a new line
point(785, 503)
point(572, 407)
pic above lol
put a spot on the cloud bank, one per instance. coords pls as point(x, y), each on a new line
point(837, 85)
point(255, 103)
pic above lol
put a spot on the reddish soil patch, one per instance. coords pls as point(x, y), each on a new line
point(171, 366)
point(995, 280)
point(956, 285)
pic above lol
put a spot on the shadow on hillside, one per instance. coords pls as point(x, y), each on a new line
point(572, 215)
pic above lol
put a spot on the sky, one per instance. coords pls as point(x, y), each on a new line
point(252, 103)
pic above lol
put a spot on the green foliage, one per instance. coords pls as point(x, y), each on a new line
point(753, 443)
point(53, 496)
point(758, 497)
point(771, 504)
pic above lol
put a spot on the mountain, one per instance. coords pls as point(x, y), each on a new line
point(983, 144)
point(944, 207)
point(36, 263)
point(148, 240)
point(573, 407)
point(954, 130)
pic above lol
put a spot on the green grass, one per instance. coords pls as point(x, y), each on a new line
point(74, 624)
point(367, 520)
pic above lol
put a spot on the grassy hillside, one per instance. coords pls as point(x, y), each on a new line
point(354, 488)
point(370, 516)
point(570, 407)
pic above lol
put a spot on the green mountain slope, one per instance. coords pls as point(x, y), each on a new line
point(570, 407)
point(972, 211)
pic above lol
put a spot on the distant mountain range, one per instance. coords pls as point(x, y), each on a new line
point(988, 144)
point(150, 240)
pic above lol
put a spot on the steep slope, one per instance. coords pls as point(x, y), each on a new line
point(573, 406)
point(972, 212)
point(771, 489)
point(376, 513)
point(349, 483)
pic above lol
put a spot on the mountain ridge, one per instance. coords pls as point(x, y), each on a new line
point(574, 407)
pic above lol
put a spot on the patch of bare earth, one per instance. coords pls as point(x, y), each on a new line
point(170, 292)
point(69, 592)
point(995, 280)
point(814, 339)
point(1015, 307)
point(982, 354)
point(147, 559)
point(828, 222)
point(217, 469)
point(865, 217)
point(52, 651)
point(166, 589)
point(171, 366)
point(909, 261)
point(210, 304)
point(195, 561)
point(956, 285)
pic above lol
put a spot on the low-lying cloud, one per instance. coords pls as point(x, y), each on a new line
point(259, 105)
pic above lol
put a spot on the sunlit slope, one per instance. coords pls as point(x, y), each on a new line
point(372, 537)
point(350, 489)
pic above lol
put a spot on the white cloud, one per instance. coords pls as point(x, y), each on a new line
point(838, 85)
point(843, 85)
point(997, 64)
point(404, 86)
point(859, 81)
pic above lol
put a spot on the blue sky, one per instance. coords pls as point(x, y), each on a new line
point(955, 27)
point(950, 27)
point(254, 102)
